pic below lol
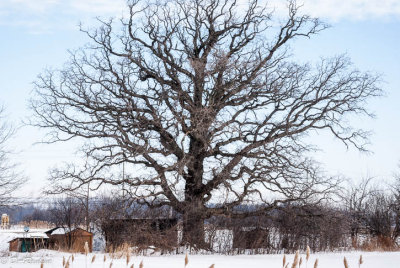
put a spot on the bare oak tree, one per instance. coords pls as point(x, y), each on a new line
point(10, 178)
point(202, 99)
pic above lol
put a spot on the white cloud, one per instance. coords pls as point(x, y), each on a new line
point(336, 10)
point(98, 7)
point(45, 15)
point(82, 6)
point(39, 16)
point(28, 5)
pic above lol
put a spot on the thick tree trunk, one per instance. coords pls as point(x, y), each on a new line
point(194, 213)
point(193, 226)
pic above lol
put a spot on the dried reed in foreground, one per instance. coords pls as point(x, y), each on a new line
point(141, 264)
point(308, 255)
point(86, 248)
point(284, 261)
point(295, 260)
point(186, 260)
point(93, 258)
point(316, 263)
point(360, 261)
point(346, 265)
point(212, 266)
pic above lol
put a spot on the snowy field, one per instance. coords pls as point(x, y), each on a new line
point(326, 260)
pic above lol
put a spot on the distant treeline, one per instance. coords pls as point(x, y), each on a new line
point(362, 218)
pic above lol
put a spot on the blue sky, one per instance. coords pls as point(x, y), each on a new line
point(36, 34)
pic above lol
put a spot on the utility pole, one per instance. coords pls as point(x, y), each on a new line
point(123, 180)
point(87, 208)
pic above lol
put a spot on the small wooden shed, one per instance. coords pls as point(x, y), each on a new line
point(70, 240)
point(28, 244)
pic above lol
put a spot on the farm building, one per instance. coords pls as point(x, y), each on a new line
point(69, 240)
point(29, 242)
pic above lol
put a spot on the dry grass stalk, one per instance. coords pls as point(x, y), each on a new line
point(110, 264)
point(307, 253)
point(284, 260)
point(105, 258)
point(287, 265)
point(316, 263)
point(295, 260)
point(93, 258)
point(67, 264)
point(186, 260)
point(128, 258)
point(72, 258)
point(301, 261)
point(141, 264)
point(86, 248)
point(41, 265)
point(346, 265)
point(132, 265)
point(63, 261)
point(360, 261)
point(212, 266)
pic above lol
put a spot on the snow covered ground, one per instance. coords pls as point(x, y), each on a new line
point(326, 260)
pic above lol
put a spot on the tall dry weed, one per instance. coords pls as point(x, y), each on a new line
point(86, 248)
point(186, 260)
point(295, 260)
point(346, 265)
point(316, 263)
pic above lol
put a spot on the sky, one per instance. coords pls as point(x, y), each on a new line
point(37, 34)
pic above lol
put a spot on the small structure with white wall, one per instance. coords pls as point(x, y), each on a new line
point(29, 242)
